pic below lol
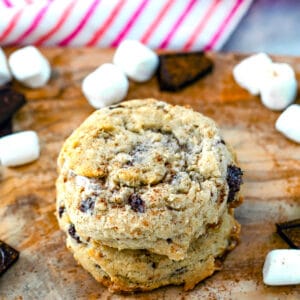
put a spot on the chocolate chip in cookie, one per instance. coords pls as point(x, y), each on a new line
point(87, 205)
point(178, 70)
point(154, 265)
point(136, 203)
point(73, 233)
point(61, 211)
point(234, 180)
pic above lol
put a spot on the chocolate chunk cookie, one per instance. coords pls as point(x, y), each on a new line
point(148, 176)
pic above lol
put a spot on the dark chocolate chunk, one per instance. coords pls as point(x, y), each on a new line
point(136, 203)
point(6, 128)
point(178, 70)
point(61, 210)
point(8, 256)
point(234, 180)
point(179, 271)
point(169, 241)
point(73, 233)
point(87, 204)
point(290, 232)
point(10, 102)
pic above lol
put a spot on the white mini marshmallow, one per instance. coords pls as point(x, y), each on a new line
point(5, 75)
point(30, 67)
point(137, 61)
point(288, 123)
point(248, 72)
point(279, 87)
point(282, 267)
point(19, 148)
point(105, 86)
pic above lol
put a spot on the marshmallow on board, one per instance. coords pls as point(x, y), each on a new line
point(249, 72)
point(288, 123)
point(30, 67)
point(19, 148)
point(282, 267)
point(105, 86)
point(275, 82)
point(278, 87)
point(136, 60)
point(5, 75)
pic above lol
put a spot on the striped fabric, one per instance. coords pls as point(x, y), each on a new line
point(162, 24)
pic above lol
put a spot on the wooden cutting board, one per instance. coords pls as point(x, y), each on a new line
point(46, 270)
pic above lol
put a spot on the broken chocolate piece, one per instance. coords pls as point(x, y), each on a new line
point(136, 203)
point(6, 128)
point(8, 256)
point(234, 180)
point(290, 232)
point(10, 102)
point(87, 205)
point(73, 233)
point(178, 70)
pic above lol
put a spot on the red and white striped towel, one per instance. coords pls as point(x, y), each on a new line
point(161, 24)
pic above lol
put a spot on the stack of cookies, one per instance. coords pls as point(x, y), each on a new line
point(145, 194)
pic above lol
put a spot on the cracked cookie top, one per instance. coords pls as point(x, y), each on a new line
point(146, 175)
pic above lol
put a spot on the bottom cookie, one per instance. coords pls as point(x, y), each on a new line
point(140, 270)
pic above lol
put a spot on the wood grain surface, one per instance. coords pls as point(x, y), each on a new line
point(46, 270)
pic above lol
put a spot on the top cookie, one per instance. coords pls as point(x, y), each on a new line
point(145, 175)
